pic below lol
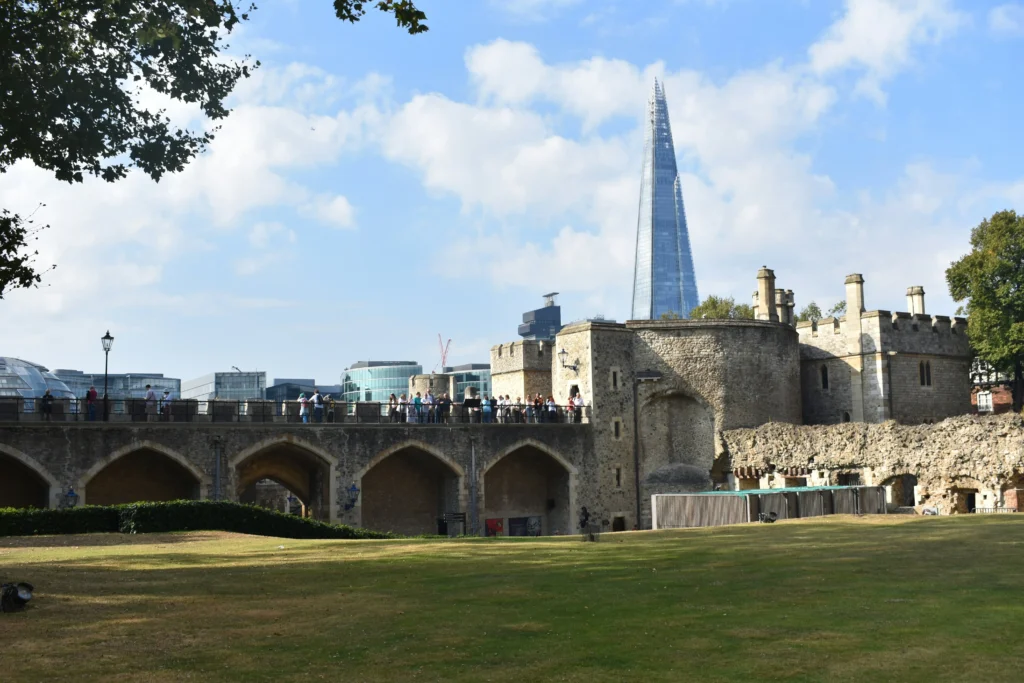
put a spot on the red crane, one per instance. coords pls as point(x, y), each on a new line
point(444, 352)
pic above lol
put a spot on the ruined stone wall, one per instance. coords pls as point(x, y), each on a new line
point(984, 455)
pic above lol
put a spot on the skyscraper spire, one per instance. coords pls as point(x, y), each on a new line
point(663, 276)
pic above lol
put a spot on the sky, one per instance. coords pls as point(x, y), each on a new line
point(372, 190)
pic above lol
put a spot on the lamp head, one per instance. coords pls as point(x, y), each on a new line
point(107, 341)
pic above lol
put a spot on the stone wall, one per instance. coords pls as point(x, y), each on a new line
point(523, 368)
point(950, 459)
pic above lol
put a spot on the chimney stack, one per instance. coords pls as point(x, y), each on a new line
point(854, 294)
point(766, 295)
point(915, 300)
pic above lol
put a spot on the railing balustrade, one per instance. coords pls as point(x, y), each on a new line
point(15, 409)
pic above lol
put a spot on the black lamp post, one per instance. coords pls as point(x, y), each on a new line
point(562, 356)
point(107, 342)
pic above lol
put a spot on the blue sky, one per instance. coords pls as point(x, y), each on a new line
point(373, 189)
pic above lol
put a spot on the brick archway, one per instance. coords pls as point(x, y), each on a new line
point(306, 470)
point(24, 482)
point(141, 471)
point(528, 489)
point(407, 487)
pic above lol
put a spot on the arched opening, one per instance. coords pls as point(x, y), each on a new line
point(527, 493)
point(144, 474)
point(962, 501)
point(677, 443)
point(899, 491)
point(272, 495)
point(21, 486)
point(279, 471)
point(408, 491)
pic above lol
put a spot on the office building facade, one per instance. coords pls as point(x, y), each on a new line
point(24, 379)
point(544, 323)
point(227, 386)
point(472, 375)
point(664, 283)
point(119, 385)
point(376, 380)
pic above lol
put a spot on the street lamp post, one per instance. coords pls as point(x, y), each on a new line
point(107, 342)
point(641, 376)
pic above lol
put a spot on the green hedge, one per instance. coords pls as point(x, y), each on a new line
point(182, 515)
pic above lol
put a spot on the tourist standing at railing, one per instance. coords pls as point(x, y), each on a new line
point(150, 403)
point(403, 406)
point(414, 408)
point(428, 400)
point(577, 405)
point(485, 408)
point(552, 409)
point(494, 408)
point(165, 405)
point(46, 405)
point(90, 403)
point(330, 408)
point(393, 408)
point(444, 407)
point(318, 406)
point(304, 408)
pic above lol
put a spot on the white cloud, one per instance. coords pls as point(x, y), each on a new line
point(878, 37)
point(335, 210)
point(1007, 20)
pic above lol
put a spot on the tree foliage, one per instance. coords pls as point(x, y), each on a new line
point(73, 73)
point(719, 308)
point(812, 312)
point(991, 281)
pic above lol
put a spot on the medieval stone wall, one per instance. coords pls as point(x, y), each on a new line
point(958, 456)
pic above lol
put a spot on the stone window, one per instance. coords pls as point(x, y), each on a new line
point(846, 416)
point(615, 379)
point(925, 372)
point(617, 429)
point(824, 377)
point(618, 477)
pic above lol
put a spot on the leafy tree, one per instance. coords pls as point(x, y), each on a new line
point(811, 312)
point(671, 315)
point(715, 307)
point(837, 310)
point(72, 72)
point(991, 281)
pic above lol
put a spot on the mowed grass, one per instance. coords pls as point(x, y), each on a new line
point(878, 598)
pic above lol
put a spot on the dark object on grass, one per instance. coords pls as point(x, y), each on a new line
point(14, 596)
point(766, 517)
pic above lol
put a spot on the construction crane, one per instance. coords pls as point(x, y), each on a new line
point(444, 353)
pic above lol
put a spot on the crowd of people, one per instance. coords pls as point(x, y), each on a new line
point(426, 408)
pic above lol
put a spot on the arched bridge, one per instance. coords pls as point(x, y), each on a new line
point(389, 477)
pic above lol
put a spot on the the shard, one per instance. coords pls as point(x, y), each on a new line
point(664, 283)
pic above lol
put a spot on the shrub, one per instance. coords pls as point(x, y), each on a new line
point(182, 515)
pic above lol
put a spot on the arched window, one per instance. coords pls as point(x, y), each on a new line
point(846, 416)
point(824, 377)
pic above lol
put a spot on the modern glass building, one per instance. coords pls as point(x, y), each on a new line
point(663, 278)
point(120, 385)
point(376, 380)
point(290, 388)
point(542, 323)
point(228, 386)
point(20, 378)
point(476, 375)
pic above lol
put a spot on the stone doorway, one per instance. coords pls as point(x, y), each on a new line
point(619, 524)
point(899, 491)
point(295, 468)
point(962, 501)
point(407, 492)
point(143, 475)
point(527, 493)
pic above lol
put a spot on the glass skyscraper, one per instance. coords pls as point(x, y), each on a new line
point(376, 380)
point(663, 277)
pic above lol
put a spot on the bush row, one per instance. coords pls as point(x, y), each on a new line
point(181, 515)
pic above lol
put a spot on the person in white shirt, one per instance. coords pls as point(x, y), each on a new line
point(577, 404)
point(304, 407)
point(150, 401)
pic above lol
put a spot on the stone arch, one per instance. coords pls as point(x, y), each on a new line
point(407, 487)
point(1011, 492)
point(25, 482)
point(305, 469)
point(900, 490)
point(130, 474)
point(528, 489)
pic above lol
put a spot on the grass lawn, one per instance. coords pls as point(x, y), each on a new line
point(880, 599)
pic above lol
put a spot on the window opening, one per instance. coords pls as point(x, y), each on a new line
point(618, 477)
point(824, 377)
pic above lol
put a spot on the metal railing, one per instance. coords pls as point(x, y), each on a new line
point(992, 511)
point(262, 411)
